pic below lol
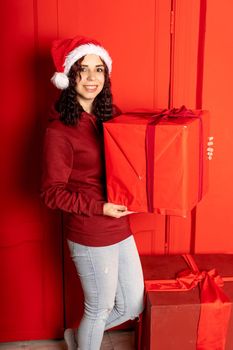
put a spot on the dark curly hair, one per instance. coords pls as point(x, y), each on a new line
point(70, 109)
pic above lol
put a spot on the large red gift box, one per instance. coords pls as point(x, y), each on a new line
point(157, 162)
point(176, 317)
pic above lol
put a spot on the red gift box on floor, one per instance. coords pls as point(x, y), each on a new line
point(180, 315)
point(157, 162)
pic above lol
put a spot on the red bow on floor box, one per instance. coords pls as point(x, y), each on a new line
point(188, 302)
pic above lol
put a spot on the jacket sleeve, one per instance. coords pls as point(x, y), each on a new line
point(57, 166)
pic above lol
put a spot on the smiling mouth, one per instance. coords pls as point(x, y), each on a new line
point(91, 88)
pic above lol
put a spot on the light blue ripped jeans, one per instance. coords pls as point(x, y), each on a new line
point(113, 287)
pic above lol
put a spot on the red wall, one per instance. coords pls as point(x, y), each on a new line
point(215, 219)
point(154, 65)
point(31, 293)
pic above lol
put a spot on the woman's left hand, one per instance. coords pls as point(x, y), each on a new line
point(210, 148)
point(115, 210)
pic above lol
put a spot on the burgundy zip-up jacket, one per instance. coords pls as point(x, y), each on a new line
point(73, 180)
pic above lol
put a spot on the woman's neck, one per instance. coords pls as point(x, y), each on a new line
point(86, 105)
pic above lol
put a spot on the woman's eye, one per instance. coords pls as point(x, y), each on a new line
point(86, 69)
point(83, 69)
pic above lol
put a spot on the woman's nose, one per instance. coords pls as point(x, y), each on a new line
point(91, 75)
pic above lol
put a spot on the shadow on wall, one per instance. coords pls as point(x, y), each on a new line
point(45, 94)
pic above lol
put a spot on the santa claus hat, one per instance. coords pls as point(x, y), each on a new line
point(66, 52)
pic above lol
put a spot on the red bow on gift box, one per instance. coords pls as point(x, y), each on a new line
point(215, 305)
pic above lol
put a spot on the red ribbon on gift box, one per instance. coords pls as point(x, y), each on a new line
point(215, 305)
point(150, 147)
point(154, 117)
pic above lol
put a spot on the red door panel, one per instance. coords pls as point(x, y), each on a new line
point(31, 290)
point(183, 92)
point(214, 214)
point(31, 293)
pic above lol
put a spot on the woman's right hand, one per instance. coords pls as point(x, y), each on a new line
point(115, 210)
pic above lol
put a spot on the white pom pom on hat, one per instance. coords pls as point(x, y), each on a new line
point(60, 80)
point(66, 52)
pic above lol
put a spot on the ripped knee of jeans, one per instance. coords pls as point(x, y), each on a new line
point(105, 314)
point(134, 317)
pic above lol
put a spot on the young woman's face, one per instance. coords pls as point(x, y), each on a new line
point(90, 81)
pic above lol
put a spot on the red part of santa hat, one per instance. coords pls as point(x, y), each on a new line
point(66, 52)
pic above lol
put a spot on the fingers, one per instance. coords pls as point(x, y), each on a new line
point(210, 150)
point(119, 207)
point(115, 210)
point(124, 213)
point(120, 213)
point(210, 141)
point(210, 153)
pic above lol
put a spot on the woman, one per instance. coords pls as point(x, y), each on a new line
point(98, 233)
